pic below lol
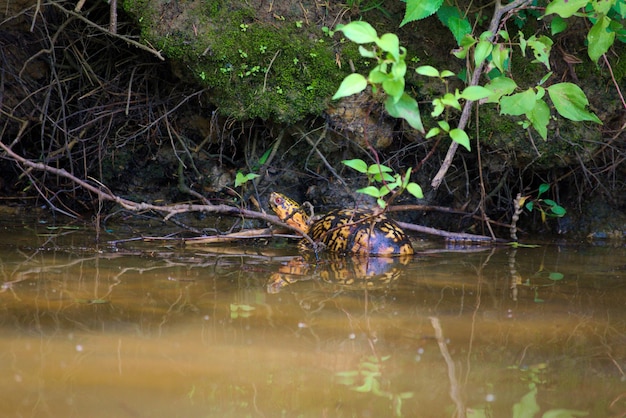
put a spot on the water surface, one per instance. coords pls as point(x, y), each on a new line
point(156, 330)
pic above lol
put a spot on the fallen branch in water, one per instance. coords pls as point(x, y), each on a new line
point(104, 194)
point(450, 236)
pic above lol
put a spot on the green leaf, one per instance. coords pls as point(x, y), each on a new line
point(475, 93)
point(444, 125)
point(407, 109)
point(541, 49)
point(415, 190)
point(599, 39)
point(518, 104)
point(407, 178)
point(459, 136)
point(394, 88)
point(378, 168)
point(432, 132)
point(383, 176)
point(450, 99)
point(500, 56)
point(399, 70)
point(438, 108)
point(352, 84)
point(522, 43)
point(620, 8)
point(265, 156)
point(565, 8)
point(545, 78)
point(368, 384)
point(366, 52)
point(359, 32)
point(386, 189)
point(389, 42)
point(543, 187)
point(459, 25)
point(557, 25)
point(460, 53)
point(356, 164)
point(240, 178)
point(570, 101)
point(459, 28)
point(558, 211)
point(539, 116)
point(419, 9)
point(376, 76)
point(370, 191)
point(500, 86)
point(602, 7)
point(483, 49)
point(427, 70)
point(486, 35)
point(550, 202)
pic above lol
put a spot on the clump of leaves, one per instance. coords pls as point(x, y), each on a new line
point(387, 75)
point(496, 49)
point(547, 207)
point(241, 179)
point(383, 181)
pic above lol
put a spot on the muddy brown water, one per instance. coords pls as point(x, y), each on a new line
point(154, 330)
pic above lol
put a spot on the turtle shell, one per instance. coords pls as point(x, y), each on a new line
point(351, 231)
point(346, 231)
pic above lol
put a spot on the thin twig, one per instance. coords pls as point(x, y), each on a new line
point(467, 108)
point(268, 69)
point(617, 87)
point(105, 30)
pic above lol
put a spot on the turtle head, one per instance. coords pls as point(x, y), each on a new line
point(289, 211)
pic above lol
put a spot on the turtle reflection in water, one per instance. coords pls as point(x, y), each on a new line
point(356, 272)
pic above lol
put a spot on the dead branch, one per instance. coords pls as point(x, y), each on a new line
point(498, 13)
point(451, 236)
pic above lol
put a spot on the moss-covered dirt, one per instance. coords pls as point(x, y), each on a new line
point(261, 62)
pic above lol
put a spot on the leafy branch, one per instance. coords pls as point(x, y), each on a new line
point(547, 207)
point(390, 182)
point(387, 75)
point(490, 54)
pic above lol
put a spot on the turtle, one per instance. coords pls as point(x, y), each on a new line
point(345, 231)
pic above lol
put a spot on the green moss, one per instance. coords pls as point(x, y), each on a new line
point(273, 70)
point(619, 64)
